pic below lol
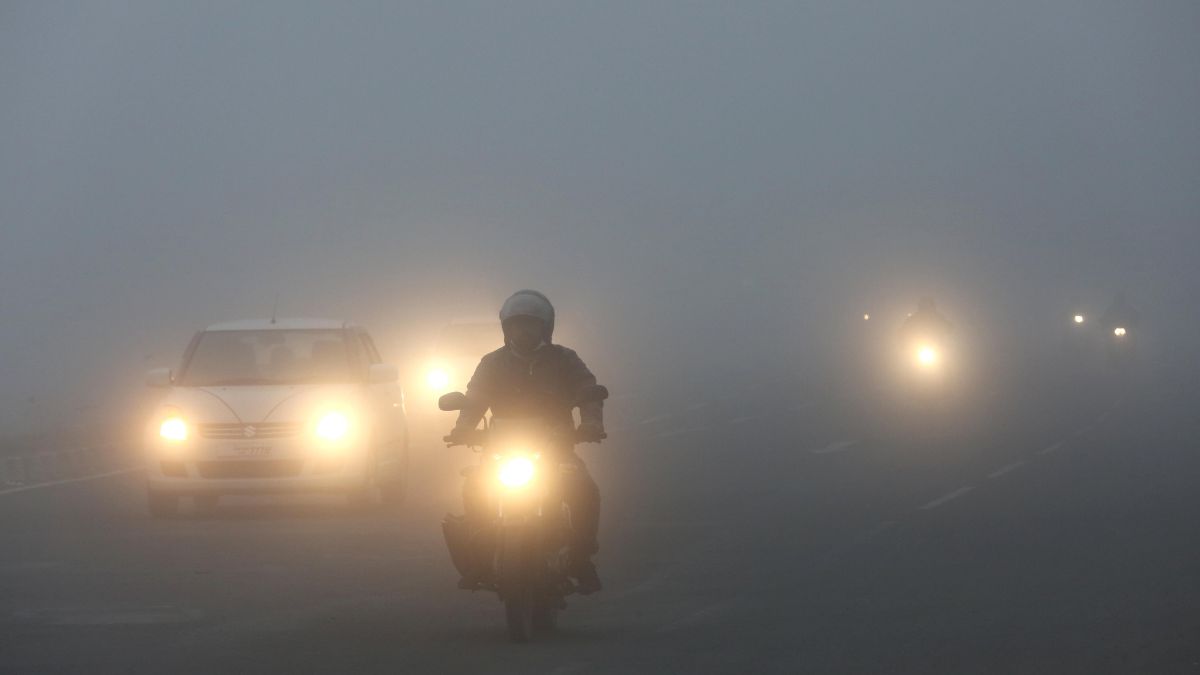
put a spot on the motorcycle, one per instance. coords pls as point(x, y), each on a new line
point(523, 551)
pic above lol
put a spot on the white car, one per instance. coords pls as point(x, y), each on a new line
point(265, 406)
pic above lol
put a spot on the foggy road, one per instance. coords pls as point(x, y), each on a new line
point(750, 526)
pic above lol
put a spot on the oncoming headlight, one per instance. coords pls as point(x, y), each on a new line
point(927, 356)
point(516, 471)
point(437, 379)
point(173, 429)
point(333, 426)
point(1119, 331)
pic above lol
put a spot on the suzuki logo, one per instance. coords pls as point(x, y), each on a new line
point(249, 431)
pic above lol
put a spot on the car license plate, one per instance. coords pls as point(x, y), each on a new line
point(246, 451)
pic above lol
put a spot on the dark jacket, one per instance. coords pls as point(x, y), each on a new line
point(546, 385)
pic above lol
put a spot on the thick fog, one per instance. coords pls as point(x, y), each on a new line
point(694, 185)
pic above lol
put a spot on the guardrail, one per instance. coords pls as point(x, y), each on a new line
point(20, 470)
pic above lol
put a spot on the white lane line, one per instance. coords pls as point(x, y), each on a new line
point(836, 446)
point(696, 406)
point(656, 418)
point(1049, 449)
point(81, 479)
point(947, 497)
point(747, 418)
point(1011, 467)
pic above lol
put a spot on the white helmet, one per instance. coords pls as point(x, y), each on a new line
point(529, 303)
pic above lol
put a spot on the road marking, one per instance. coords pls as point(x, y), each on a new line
point(836, 446)
point(81, 479)
point(656, 418)
point(746, 418)
point(696, 406)
point(1050, 449)
point(1011, 467)
point(947, 497)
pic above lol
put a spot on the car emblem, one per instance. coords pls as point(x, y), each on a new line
point(249, 431)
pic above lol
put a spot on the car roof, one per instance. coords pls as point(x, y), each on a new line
point(282, 324)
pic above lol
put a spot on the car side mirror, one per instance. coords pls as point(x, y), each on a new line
point(593, 394)
point(383, 373)
point(455, 400)
point(159, 377)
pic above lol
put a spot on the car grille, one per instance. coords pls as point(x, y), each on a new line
point(236, 431)
point(268, 468)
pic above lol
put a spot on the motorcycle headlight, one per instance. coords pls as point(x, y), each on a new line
point(1078, 318)
point(1119, 331)
point(173, 429)
point(333, 426)
point(516, 472)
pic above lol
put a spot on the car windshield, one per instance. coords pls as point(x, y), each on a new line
point(268, 357)
point(469, 340)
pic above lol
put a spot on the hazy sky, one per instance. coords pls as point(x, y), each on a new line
point(655, 167)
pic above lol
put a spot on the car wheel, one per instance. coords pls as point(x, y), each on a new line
point(162, 505)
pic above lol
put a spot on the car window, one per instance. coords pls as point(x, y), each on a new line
point(270, 357)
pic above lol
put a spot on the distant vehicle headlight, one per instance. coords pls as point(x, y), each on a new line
point(173, 429)
point(1078, 318)
point(333, 426)
point(1119, 331)
point(866, 317)
point(516, 471)
point(927, 356)
point(437, 379)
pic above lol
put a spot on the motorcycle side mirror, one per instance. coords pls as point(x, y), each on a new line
point(455, 400)
point(593, 394)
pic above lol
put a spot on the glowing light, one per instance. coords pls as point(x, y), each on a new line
point(866, 317)
point(437, 379)
point(1119, 331)
point(173, 429)
point(516, 472)
point(927, 356)
point(333, 426)
point(1078, 318)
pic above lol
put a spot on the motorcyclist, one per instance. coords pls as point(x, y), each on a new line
point(1119, 314)
point(532, 377)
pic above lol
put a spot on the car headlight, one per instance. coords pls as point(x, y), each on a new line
point(1078, 318)
point(173, 429)
point(1119, 331)
point(333, 426)
point(516, 472)
point(437, 379)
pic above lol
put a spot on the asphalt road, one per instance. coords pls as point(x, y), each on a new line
point(1046, 524)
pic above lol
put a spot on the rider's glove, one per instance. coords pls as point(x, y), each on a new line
point(590, 432)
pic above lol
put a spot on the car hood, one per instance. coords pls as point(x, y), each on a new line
point(279, 403)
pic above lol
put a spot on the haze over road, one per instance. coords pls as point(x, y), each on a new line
point(751, 525)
